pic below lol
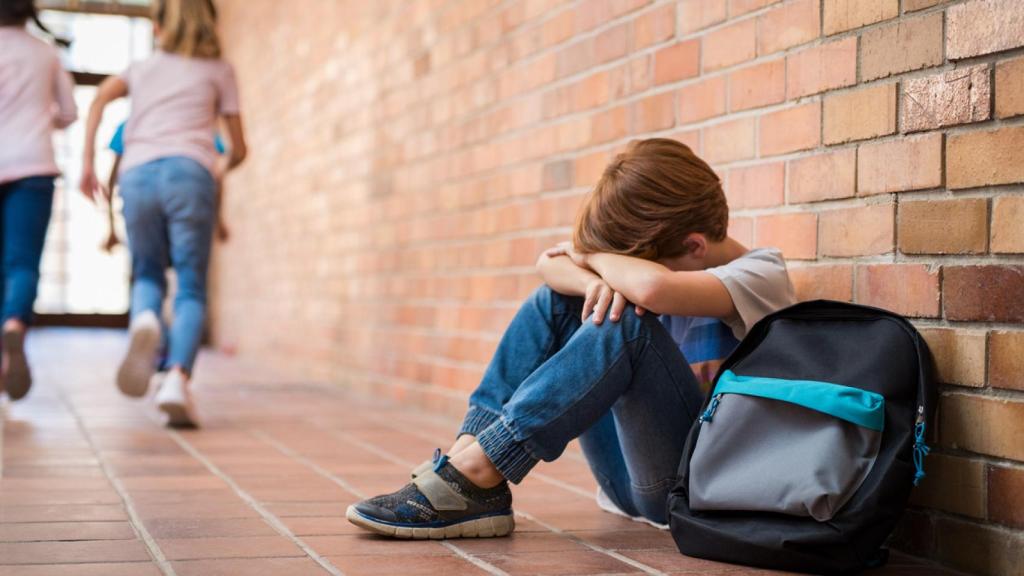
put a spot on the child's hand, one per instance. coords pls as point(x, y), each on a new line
point(566, 249)
point(89, 184)
point(600, 300)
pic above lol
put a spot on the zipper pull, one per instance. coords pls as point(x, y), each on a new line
point(920, 448)
point(710, 412)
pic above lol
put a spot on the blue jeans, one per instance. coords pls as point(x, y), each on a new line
point(26, 205)
point(169, 212)
point(623, 388)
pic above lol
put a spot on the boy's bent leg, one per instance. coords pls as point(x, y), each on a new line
point(632, 365)
point(543, 324)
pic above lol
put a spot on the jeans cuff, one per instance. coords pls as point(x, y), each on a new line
point(505, 452)
point(476, 420)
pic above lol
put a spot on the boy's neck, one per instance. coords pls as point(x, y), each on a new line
point(721, 253)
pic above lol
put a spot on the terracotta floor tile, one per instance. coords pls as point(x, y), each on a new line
point(63, 513)
point(207, 527)
point(519, 542)
point(385, 565)
point(118, 569)
point(248, 567)
point(673, 562)
point(44, 531)
point(71, 552)
point(629, 539)
point(369, 544)
point(321, 526)
point(246, 547)
point(562, 563)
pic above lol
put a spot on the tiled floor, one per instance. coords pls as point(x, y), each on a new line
point(91, 484)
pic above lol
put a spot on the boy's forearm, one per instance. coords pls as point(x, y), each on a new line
point(634, 278)
point(563, 276)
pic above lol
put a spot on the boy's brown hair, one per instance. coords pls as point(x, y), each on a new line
point(649, 199)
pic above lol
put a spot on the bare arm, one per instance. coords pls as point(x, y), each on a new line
point(661, 290)
point(67, 110)
point(237, 149)
point(109, 90)
point(564, 276)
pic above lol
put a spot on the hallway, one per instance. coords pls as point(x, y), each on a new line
point(90, 483)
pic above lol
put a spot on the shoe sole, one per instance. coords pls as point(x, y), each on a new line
point(138, 364)
point(489, 527)
point(18, 377)
point(178, 415)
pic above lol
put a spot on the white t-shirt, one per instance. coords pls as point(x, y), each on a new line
point(759, 285)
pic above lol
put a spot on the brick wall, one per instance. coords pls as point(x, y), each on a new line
point(410, 159)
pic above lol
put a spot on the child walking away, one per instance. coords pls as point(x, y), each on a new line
point(35, 97)
point(169, 182)
point(651, 294)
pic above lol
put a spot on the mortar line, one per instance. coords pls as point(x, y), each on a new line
point(344, 484)
point(377, 450)
point(267, 516)
point(134, 520)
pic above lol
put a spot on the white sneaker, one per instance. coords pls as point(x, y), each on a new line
point(605, 503)
point(175, 401)
point(139, 362)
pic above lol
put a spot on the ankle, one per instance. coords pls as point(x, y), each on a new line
point(14, 325)
point(472, 463)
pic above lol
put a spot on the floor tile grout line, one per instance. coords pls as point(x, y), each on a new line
point(284, 449)
point(554, 529)
point(126, 500)
point(267, 516)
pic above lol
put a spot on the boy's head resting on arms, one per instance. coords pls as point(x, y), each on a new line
point(186, 27)
point(657, 201)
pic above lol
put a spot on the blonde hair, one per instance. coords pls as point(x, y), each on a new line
point(187, 27)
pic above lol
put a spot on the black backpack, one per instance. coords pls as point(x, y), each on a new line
point(813, 436)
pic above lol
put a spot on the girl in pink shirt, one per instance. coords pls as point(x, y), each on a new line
point(35, 98)
point(170, 180)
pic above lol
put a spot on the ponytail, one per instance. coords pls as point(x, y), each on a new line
point(18, 12)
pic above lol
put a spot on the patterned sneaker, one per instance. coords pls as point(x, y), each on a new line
point(439, 503)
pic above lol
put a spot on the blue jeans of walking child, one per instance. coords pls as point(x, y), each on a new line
point(25, 205)
point(169, 212)
point(623, 388)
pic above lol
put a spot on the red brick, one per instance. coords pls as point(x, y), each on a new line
point(822, 177)
point(966, 422)
point(909, 44)
point(677, 62)
point(796, 235)
point(860, 114)
point(908, 289)
point(1006, 495)
point(790, 24)
point(729, 45)
point(696, 15)
point(702, 100)
point(729, 141)
point(609, 124)
point(557, 175)
point(952, 484)
point(1008, 225)
point(790, 130)
point(945, 99)
point(991, 550)
point(985, 158)
point(691, 138)
point(915, 5)
point(944, 226)
point(987, 293)
point(588, 169)
point(742, 230)
point(898, 165)
point(1006, 360)
point(756, 186)
point(833, 282)
point(740, 7)
point(842, 15)
point(959, 355)
point(611, 44)
point(1010, 88)
point(859, 231)
point(984, 26)
point(821, 68)
point(653, 113)
point(654, 26)
point(758, 85)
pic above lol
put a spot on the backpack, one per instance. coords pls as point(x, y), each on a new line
point(809, 442)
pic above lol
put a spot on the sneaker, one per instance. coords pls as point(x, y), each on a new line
point(175, 401)
point(426, 465)
point(17, 377)
point(139, 363)
point(605, 503)
point(439, 503)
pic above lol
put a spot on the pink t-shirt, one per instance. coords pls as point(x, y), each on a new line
point(175, 104)
point(35, 97)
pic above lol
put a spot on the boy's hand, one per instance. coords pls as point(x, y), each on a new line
point(566, 249)
point(600, 300)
